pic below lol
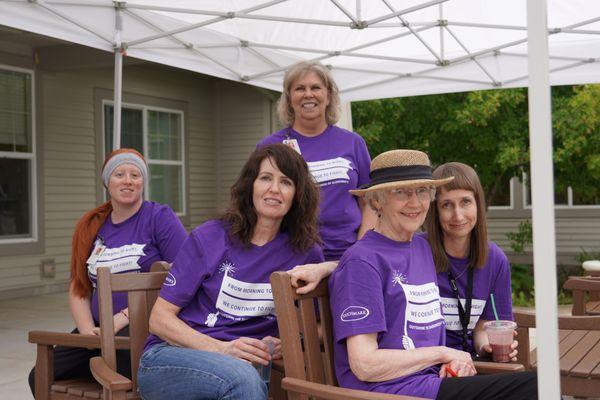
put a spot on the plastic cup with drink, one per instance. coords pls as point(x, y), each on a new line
point(264, 371)
point(500, 335)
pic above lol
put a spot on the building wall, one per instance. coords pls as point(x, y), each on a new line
point(244, 117)
point(577, 228)
point(69, 142)
point(223, 122)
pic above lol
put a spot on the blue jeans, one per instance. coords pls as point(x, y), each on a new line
point(169, 372)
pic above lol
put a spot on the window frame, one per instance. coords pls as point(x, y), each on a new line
point(31, 156)
point(511, 184)
point(145, 108)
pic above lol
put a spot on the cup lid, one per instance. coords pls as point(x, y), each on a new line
point(501, 324)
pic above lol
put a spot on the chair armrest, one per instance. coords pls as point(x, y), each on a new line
point(524, 319)
point(576, 322)
point(336, 393)
point(582, 283)
point(160, 266)
point(108, 378)
point(489, 367)
point(73, 340)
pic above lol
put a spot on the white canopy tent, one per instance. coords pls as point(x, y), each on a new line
point(375, 49)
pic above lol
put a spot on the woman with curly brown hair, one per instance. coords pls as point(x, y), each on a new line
point(215, 312)
point(126, 234)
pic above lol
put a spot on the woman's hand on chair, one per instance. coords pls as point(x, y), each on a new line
point(306, 277)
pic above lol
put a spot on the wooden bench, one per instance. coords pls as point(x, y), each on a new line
point(579, 352)
point(581, 286)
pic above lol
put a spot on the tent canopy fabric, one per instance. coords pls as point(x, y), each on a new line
point(375, 48)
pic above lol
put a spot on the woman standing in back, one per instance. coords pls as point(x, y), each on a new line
point(338, 159)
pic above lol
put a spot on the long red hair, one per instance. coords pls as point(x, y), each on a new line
point(84, 236)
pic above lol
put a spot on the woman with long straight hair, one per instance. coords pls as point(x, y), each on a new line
point(473, 273)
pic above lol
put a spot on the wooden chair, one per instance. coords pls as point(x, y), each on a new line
point(579, 350)
point(580, 286)
point(308, 359)
point(142, 291)
point(46, 388)
point(308, 345)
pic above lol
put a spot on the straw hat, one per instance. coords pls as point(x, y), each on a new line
point(400, 168)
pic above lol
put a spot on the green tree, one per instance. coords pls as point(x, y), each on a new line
point(489, 131)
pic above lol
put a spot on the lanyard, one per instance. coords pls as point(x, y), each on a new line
point(464, 314)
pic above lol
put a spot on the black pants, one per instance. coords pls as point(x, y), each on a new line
point(74, 362)
point(512, 385)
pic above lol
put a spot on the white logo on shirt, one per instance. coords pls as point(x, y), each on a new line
point(450, 310)
point(170, 280)
point(335, 169)
point(119, 259)
point(354, 313)
point(398, 278)
point(422, 307)
point(245, 299)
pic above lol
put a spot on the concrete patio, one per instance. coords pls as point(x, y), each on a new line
point(46, 312)
point(17, 317)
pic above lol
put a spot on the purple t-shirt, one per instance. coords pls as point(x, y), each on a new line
point(223, 286)
point(494, 278)
point(152, 234)
point(387, 287)
point(339, 161)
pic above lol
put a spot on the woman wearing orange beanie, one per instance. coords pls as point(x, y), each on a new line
point(126, 234)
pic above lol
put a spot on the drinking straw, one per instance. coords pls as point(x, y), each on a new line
point(494, 306)
point(451, 372)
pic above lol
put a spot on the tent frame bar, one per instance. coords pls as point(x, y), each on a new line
point(542, 205)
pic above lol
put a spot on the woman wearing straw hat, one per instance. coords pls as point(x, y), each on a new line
point(387, 318)
point(126, 234)
point(457, 232)
point(338, 159)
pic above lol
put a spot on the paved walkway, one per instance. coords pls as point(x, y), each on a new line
point(17, 355)
point(17, 317)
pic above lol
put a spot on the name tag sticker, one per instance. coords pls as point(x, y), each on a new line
point(96, 253)
point(293, 143)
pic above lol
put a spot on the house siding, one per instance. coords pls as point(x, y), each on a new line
point(67, 106)
point(238, 136)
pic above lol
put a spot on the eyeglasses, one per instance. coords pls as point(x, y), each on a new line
point(423, 193)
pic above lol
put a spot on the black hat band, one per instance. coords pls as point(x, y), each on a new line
point(395, 174)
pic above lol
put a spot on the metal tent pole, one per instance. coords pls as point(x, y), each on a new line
point(542, 195)
point(118, 78)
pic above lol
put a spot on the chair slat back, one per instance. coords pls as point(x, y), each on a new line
point(307, 344)
point(142, 290)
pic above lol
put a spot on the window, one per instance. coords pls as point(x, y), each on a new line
point(158, 134)
point(18, 215)
point(503, 197)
